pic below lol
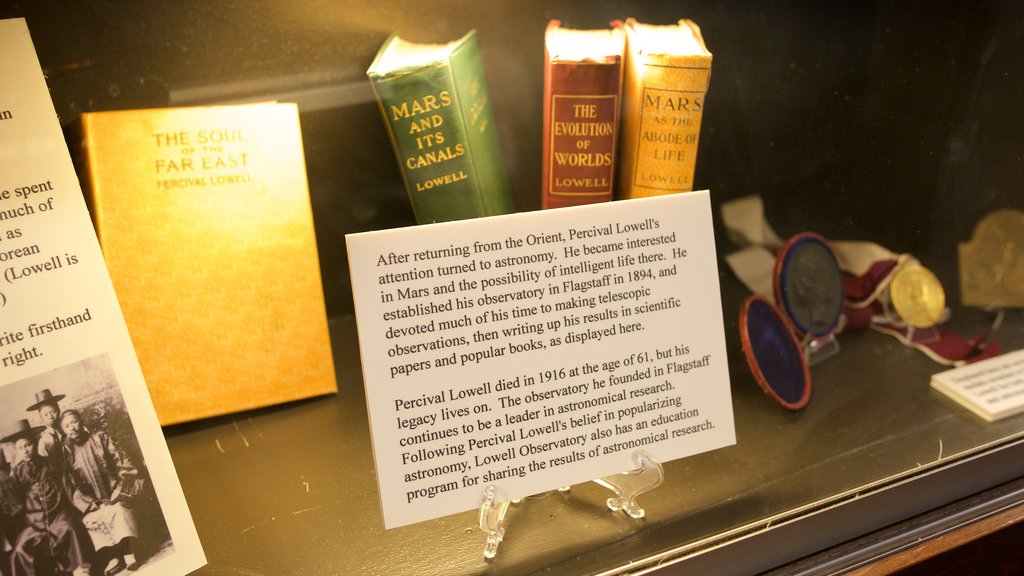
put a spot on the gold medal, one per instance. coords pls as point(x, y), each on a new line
point(917, 296)
point(992, 263)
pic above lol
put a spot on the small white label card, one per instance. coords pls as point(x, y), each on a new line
point(538, 350)
point(992, 388)
point(71, 391)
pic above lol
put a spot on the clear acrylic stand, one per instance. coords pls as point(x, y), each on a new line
point(997, 322)
point(820, 348)
point(492, 517)
point(627, 487)
point(492, 520)
point(914, 335)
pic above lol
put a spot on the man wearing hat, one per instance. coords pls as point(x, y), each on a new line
point(51, 440)
point(54, 539)
point(100, 472)
point(11, 515)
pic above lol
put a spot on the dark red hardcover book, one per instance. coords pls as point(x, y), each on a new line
point(582, 92)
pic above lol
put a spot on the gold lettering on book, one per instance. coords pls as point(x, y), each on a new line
point(583, 129)
point(583, 159)
point(434, 156)
point(427, 127)
point(191, 159)
point(582, 143)
point(432, 121)
point(421, 105)
point(441, 180)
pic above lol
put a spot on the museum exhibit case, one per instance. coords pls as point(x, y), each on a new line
point(891, 123)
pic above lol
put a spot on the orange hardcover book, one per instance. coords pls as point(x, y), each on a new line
point(204, 219)
point(666, 77)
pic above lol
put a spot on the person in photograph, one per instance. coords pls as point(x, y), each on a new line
point(12, 520)
point(102, 478)
point(54, 539)
point(52, 438)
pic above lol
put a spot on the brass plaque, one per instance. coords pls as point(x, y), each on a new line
point(992, 262)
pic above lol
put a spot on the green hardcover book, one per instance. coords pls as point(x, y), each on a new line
point(435, 104)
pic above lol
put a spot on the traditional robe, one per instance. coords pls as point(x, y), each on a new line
point(54, 534)
point(50, 448)
point(12, 519)
point(50, 441)
point(95, 465)
point(11, 510)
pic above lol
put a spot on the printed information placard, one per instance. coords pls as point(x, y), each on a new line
point(992, 389)
point(88, 464)
point(538, 350)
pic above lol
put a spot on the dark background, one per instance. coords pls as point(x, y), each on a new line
point(898, 122)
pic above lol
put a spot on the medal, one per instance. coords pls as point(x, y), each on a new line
point(773, 353)
point(809, 285)
point(917, 296)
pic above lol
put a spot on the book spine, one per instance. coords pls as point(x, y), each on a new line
point(473, 99)
point(581, 120)
point(663, 102)
point(442, 129)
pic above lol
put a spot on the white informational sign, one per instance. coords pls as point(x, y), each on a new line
point(71, 391)
point(538, 350)
point(992, 388)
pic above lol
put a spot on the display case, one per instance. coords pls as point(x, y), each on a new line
point(892, 122)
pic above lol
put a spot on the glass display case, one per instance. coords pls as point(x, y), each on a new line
point(891, 122)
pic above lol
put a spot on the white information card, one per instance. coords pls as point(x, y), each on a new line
point(74, 409)
point(538, 350)
point(992, 389)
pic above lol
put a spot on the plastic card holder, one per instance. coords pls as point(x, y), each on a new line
point(627, 486)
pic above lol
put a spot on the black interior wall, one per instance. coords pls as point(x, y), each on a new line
point(898, 122)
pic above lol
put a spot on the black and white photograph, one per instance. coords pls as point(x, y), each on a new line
point(75, 494)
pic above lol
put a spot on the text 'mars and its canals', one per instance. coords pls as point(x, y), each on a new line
point(437, 111)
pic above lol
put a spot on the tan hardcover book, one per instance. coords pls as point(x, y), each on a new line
point(204, 219)
point(666, 77)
